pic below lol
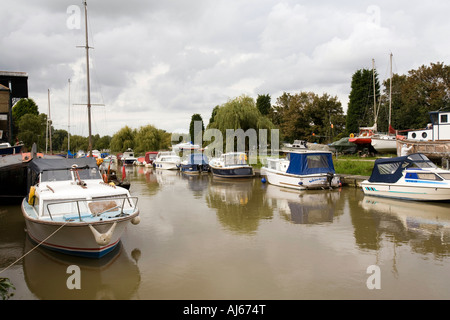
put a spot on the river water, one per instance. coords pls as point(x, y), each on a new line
point(203, 238)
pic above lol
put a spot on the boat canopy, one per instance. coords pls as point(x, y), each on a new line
point(310, 163)
point(197, 158)
point(57, 169)
point(390, 170)
point(40, 165)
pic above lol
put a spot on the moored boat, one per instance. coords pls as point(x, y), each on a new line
point(302, 170)
point(412, 177)
point(231, 165)
point(167, 160)
point(195, 163)
point(150, 156)
point(70, 209)
point(128, 158)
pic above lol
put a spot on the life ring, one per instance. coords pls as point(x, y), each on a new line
point(31, 196)
point(352, 135)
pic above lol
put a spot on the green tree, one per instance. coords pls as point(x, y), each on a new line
point(32, 130)
point(22, 107)
point(149, 138)
point(360, 111)
point(123, 139)
point(240, 113)
point(195, 117)
point(263, 104)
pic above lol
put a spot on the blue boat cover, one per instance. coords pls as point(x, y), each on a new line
point(310, 163)
point(198, 158)
point(390, 170)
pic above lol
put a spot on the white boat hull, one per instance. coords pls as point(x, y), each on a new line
point(166, 165)
point(411, 191)
point(75, 237)
point(304, 182)
point(384, 145)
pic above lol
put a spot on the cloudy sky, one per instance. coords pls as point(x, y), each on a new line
point(159, 62)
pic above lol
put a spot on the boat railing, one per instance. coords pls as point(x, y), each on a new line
point(83, 208)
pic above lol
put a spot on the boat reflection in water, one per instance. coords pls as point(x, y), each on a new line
point(239, 209)
point(115, 276)
point(415, 221)
point(311, 207)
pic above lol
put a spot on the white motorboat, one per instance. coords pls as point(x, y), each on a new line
point(231, 165)
point(128, 158)
point(167, 160)
point(412, 177)
point(71, 209)
point(302, 170)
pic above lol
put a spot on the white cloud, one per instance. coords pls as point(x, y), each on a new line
point(160, 62)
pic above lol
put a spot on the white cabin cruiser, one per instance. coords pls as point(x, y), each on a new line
point(167, 160)
point(71, 210)
point(302, 170)
point(412, 177)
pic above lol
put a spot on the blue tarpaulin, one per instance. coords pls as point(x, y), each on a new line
point(198, 158)
point(310, 163)
point(389, 170)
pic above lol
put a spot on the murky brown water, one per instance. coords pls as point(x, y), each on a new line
point(200, 238)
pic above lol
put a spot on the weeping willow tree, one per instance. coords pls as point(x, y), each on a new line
point(240, 113)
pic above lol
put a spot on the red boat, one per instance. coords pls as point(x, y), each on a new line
point(364, 136)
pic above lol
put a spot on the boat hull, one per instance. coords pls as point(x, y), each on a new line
point(166, 165)
point(407, 191)
point(301, 182)
point(13, 178)
point(384, 145)
point(233, 172)
point(194, 169)
point(74, 238)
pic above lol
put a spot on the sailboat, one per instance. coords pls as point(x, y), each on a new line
point(366, 133)
point(70, 208)
point(385, 143)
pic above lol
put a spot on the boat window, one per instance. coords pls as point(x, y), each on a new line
point(56, 175)
point(317, 161)
point(388, 168)
point(91, 173)
point(446, 176)
point(428, 176)
point(444, 118)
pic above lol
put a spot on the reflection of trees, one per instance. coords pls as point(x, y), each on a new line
point(240, 204)
point(304, 207)
point(424, 226)
point(367, 235)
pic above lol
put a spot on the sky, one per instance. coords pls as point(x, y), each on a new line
point(159, 62)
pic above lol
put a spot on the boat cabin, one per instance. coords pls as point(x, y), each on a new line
point(437, 129)
point(390, 170)
point(303, 163)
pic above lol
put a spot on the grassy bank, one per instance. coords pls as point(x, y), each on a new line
point(354, 165)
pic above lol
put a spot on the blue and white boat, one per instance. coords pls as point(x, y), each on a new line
point(231, 165)
point(195, 163)
point(302, 170)
point(70, 209)
point(412, 177)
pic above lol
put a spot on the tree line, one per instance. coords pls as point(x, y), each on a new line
point(298, 116)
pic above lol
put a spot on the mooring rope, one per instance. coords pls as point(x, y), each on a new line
point(53, 233)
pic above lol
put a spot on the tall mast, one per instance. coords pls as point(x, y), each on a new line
point(374, 95)
point(48, 132)
point(88, 80)
point(390, 91)
point(68, 126)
